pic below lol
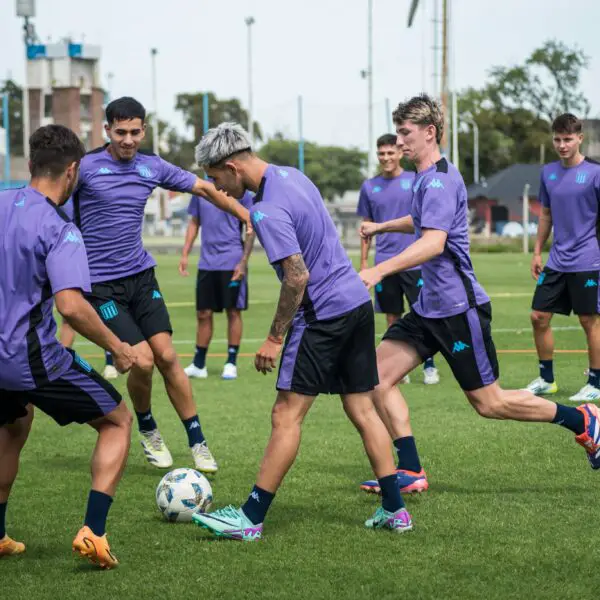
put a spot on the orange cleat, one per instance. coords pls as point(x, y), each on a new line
point(94, 548)
point(8, 547)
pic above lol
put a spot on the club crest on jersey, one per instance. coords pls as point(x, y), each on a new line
point(405, 183)
point(144, 171)
point(581, 177)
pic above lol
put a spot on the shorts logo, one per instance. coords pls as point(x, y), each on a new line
point(144, 171)
point(581, 177)
point(553, 177)
point(72, 237)
point(234, 284)
point(377, 189)
point(379, 288)
point(108, 310)
point(420, 282)
point(405, 183)
point(541, 278)
point(83, 363)
point(258, 216)
point(156, 295)
point(590, 283)
point(459, 347)
point(436, 184)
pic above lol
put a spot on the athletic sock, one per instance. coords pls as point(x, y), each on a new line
point(258, 504)
point(232, 353)
point(200, 357)
point(391, 500)
point(547, 371)
point(109, 359)
point(3, 519)
point(569, 417)
point(146, 422)
point(408, 457)
point(97, 512)
point(194, 430)
point(429, 364)
point(594, 377)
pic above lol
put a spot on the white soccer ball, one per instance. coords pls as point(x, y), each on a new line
point(181, 493)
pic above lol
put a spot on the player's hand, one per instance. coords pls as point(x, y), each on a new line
point(266, 358)
point(367, 229)
point(371, 277)
point(364, 265)
point(183, 265)
point(240, 271)
point(536, 266)
point(124, 358)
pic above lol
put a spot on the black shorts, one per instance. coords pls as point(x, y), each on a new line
point(560, 293)
point(390, 292)
point(465, 341)
point(131, 307)
point(336, 356)
point(215, 291)
point(80, 395)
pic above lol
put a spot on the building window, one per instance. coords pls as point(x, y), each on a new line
point(47, 106)
point(85, 104)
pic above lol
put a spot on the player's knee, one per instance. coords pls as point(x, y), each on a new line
point(204, 315)
point(588, 322)
point(540, 320)
point(166, 358)
point(283, 417)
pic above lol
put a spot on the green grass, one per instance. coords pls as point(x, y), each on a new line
point(511, 511)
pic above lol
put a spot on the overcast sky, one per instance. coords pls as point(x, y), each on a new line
point(315, 48)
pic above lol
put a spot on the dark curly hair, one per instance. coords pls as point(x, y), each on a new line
point(52, 149)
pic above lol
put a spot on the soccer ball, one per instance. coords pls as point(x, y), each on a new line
point(181, 493)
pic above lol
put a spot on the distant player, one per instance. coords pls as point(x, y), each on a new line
point(115, 183)
point(43, 258)
point(569, 194)
point(383, 198)
point(453, 314)
point(66, 334)
point(222, 280)
point(330, 346)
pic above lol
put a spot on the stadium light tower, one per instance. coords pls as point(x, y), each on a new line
point(249, 22)
point(368, 75)
point(155, 146)
point(26, 9)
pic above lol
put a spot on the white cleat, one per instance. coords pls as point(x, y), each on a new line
point(229, 371)
point(540, 387)
point(586, 394)
point(203, 458)
point(110, 372)
point(431, 376)
point(193, 372)
point(155, 449)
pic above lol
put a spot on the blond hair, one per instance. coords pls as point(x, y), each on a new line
point(421, 110)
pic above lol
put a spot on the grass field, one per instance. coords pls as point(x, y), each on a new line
point(511, 511)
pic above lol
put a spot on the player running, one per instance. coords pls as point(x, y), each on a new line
point(453, 313)
point(330, 345)
point(42, 258)
point(222, 281)
point(569, 194)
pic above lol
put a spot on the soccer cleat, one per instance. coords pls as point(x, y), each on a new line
point(203, 458)
point(398, 521)
point(431, 376)
point(8, 547)
point(193, 372)
point(110, 372)
point(94, 548)
point(590, 438)
point(405, 379)
point(409, 482)
point(540, 387)
point(586, 393)
point(231, 523)
point(229, 371)
point(155, 449)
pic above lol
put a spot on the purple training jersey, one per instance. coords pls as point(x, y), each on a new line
point(572, 195)
point(440, 202)
point(67, 208)
point(42, 253)
point(109, 209)
point(222, 245)
point(290, 217)
point(382, 199)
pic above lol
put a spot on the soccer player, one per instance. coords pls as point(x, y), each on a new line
point(383, 198)
point(330, 346)
point(222, 281)
point(453, 313)
point(109, 203)
point(569, 194)
point(42, 256)
point(66, 334)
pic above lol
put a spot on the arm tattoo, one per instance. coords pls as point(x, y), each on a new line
point(248, 245)
point(295, 280)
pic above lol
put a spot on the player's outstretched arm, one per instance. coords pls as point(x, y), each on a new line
point(543, 233)
point(79, 313)
point(365, 244)
point(191, 233)
point(221, 200)
point(402, 225)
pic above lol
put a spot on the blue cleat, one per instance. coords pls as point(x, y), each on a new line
point(229, 522)
point(408, 481)
point(590, 438)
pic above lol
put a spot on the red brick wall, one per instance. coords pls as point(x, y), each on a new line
point(65, 108)
point(97, 133)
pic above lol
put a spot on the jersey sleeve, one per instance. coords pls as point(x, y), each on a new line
point(175, 179)
point(544, 198)
point(194, 208)
point(439, 202)
point(247, 200)
point(364, 204)
point(276, 232)
point(66, 261)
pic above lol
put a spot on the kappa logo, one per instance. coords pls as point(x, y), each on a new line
point(144, 171)
point(420, 282)
point(459, 347)
point(234, 284)
point(73, 238)
point(591, 283)
point(377, 189)
point(379, 288)
point(405, 183)
point(436, 184)
point(194, 425)
point(258, 216)
point(541, 278)
point(552, 177)
point(104, 171)
point(156, 295)
point(282, 173)
point(254, 495)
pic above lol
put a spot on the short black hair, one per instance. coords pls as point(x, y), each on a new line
point(387, 139)
point(52, 149)
point(567, 123)
point(125, 109)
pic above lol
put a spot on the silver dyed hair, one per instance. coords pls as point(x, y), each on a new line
point(220, 142)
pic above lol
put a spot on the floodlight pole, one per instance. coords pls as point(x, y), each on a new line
point(249, 22)
point(370, 145)
point(155, 146)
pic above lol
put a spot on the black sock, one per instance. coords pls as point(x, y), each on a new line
point(594, 377)
point(109, 359)
point(97, 511)
point(232, 353)
point(429, 364)
point(200, 357)
point(194, 430)
point(569, 417)
point(408, 457)
point(146, 421)
point(547, 371)
point(3, 520)
point(258, 503)
point(391, 500)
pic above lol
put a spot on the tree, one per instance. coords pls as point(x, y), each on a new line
point(172, 146)
point(15, 119)
point(219, 111)
point(332, 169)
